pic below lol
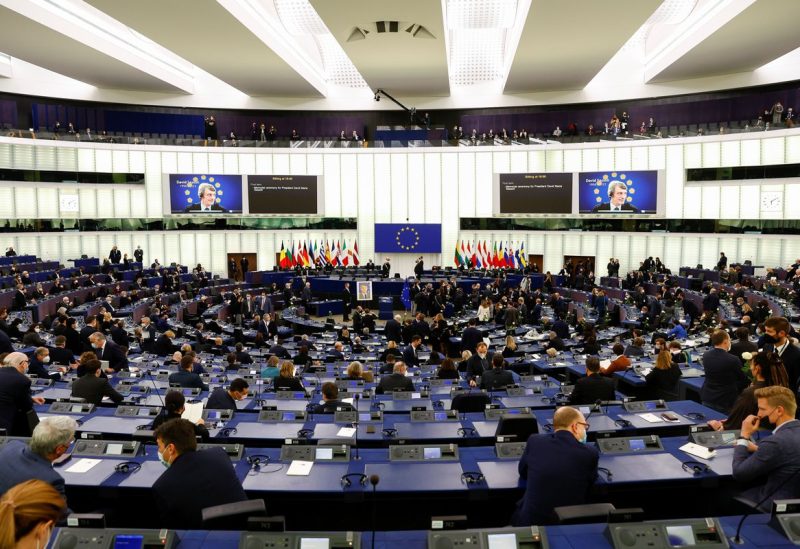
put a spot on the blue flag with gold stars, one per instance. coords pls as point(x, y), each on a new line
point(408, 238)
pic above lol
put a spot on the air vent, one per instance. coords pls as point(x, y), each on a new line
point(381, 27)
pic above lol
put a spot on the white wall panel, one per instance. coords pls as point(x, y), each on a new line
point(710, 201)
point(751, 152)
point(246, 163)
point(25, 202)
point(71, 246)
point(264, 164)
point(200, 162)
point(793, 149)
point(119, 159)
point(297, 163)
point(49, 246)
point(604, 251)
point(693, 155)
point(501, 162)
point(571, 243)
point(772, 151)
point(554, 160)
point(24, 156)
point(791, 251)
point(366, 205)
point(185, 163)
point(218, 262)
point(675, 176)
point(46, 158)
point(748, 248)
point(155, 248)
point(573, 160)
point(122, 203)
point(731, 153)
point(749, 202)
point(711, 154)
point(47, 202)
point(349, 182)
point(483, 183)
point(154, 164)
point(536, 161)
point(433, 185)
point(216, 164)
point(519, 162)
point(400, 195)
point(188, 254)
point(466, 184)
point(638, 247)
point(622, 158)
point(86, 160)
point(172, 248)
point(691, 202)
point(691, 252)
point(383, 187)
point(105, 203)
point(729, 245)
point(7, 155)
point(553, 253)
point(791, 201)
point(622, 251)
point(709, 251)
point(105, 241)
point(7, 203)
point(29, 243)
point(590, 160)
point(68, 159)
point(88, 203)
point(639, 158)
point(333, 187)
point(138, 205)
point(280, 163)
point(673, 250)
point(103, 160)
point(769, 252)
point(655, 246)
point(136, 161)
point(606, 160)
point(729, 202)
point(658, 157)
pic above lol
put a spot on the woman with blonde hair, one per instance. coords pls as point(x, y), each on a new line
point(664, 377)
point(28, 514)
point(485, 310)
point(511, 347)
point(286, 379)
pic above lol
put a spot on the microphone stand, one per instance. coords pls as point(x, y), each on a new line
point(357, 457)
point(374, 480)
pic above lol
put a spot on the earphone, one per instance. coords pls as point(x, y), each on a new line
point(472, 477)
point(467, 432)
point(305, 433)
point(607, 472)
point(695, 467)
point(696, 416)
point(389, 432)
point(228, 431)
point(347, 483)
point(623, 423)
point(257, 460)
point(127, 467)
point(548, 427)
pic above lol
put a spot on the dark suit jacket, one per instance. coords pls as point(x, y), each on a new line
point(557, 470)
point(114, 355)
point(120, 337)
point(61, 356)
point(5, 343)
point(476, 366)
point(163, 346)
point(19, 301)
point(40, 370)
point(194, 481)
point(220, 400)
point(198, 207)
point(394, 382)
point(188, 379)
point(74, 343)
point(15, 402)
point(743, 346)
point(470, 338)
point(393, 331)
point(93, 389)
point(18, 464)
point(279, 351)
point(85, 332)
point(724, 379)
point(773, 467)
point(791, 361)
point(592, 388)
point(496, 378)
point(606, 207)
point(410, 357)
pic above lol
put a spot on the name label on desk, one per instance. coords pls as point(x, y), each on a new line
point(306, 452)
point(300, 540)
point(137, 411)
point(90, 538)
point(509, 450)
point(71, 408)
point(530, 537)
point(431, 415)
point(272, 416)
point(645, 406)
point(125, 449)
point(423, 452)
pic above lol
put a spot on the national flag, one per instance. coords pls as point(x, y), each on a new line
point(327, 253)
point(344, 254)
point(405, 295)
point(522, 259)
point(482, 252)
point(283, 260)
point(457, 256)
point(463, 254)
point(298, 257)
point(478, 257)
point(473, 255)
point(506, 259)
point(356, 257)
point(335, 253)
point(306, 258)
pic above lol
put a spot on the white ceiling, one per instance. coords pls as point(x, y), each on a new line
point(262, 61)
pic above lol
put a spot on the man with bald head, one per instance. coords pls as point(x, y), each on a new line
point(559, 468)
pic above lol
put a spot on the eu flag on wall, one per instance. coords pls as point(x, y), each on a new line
point(408, 238)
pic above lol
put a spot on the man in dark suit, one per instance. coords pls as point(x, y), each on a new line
point(115, 256)
point(265, 305)
point(148, 340)
point(393, 329)
point(194, 479)
point(419, 267)
point(207, 194)
point(771, 467)
point(92, 387)
point(5, 343)
point(279, 350)
point(560, 328)
point(267, 326)
point(558, 469)
point(478, 363)
point(185, 377)
point(743, 343)
point(119, 335)
point(396, 381)
point(386, 268)
point(330, 400)
point(225, 399)
point(410, 352)
point(90, 326)
point(50, 440)
point(15, 395)
point(337, 352)
point(60, 354)
point(617, 200)
point(776, 339)
point(39, 363)
point(347, 302)
point(306, 296)
point(138, 254)
point(20, 300)
point(498, 377)
point(722, 264)
point(110, 351)
point(594, 386)
point(245, 265)
point(724, 379)
point(471, 336)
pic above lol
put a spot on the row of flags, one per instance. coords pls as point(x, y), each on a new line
point(481, 255)
point(318, 253)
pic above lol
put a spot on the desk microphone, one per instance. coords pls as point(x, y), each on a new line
point(374, 480)
point(155, 388)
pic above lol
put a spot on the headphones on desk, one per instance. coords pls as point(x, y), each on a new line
point(347, 482)
point(127, 467)
point(305, 434)
point(548, 427)
point(607, 472)
point(467, 432)
point(257, 460)
point(472, 477)
point(228, 431)
point(388, 432)
point(623, 423)
point(697, 416)
point(695, 467)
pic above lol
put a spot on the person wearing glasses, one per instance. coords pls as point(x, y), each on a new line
point(15, 395)
point(558, 468)
point(19, 461)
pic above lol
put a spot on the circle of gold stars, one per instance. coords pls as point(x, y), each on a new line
point(400, 233)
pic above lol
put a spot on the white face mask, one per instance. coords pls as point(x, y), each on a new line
point(37, 330)
point(163, 461)
point(46, 359)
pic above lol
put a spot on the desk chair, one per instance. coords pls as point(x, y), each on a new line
point(470, 402)
point(520, 427)
point(232, 516)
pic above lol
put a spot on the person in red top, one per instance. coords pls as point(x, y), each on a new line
point(619, 363)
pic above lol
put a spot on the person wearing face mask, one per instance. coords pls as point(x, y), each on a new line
point(225, 399)
point(49, 442)
point(208, 473)
point(478, 363)
point(770, 468)
point(678, 355)
point(767, 370)
point(110, 351)
point(724, 378)
point(31, 338)
point(28, 513)
point(776, 339)
point(38, 365)
point(558, 469)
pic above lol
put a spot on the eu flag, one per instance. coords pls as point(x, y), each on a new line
point(408, 237)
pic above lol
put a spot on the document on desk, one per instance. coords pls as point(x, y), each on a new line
point(299, 468)
point(82, 465)
point(347, 401)
point(192, 411)
point(346, 432)
point(652, 418)
point(605, 363)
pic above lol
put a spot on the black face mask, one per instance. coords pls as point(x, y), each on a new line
point(769, 339)
point(767, 424)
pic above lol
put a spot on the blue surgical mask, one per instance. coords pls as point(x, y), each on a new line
point(584, 437)
point(163, 461)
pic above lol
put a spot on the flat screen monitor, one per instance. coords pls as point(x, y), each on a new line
point(284, 194)
point(203, 194)
point(533, 193)
point(618, 192)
